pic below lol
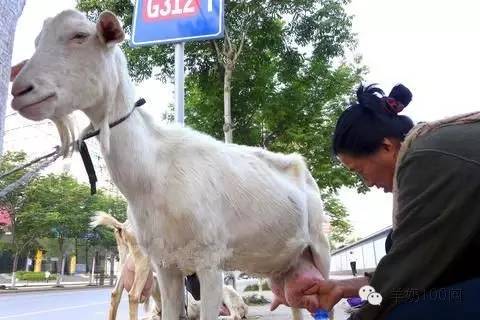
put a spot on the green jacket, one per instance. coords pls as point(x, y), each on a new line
point(438, 223)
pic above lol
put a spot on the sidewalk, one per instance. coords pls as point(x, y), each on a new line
point(51, 287)
point(70, 283)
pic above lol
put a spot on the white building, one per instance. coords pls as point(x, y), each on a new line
point(367, 252)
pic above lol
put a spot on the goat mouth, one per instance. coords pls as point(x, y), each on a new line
point(224, 311)
point(28, 106)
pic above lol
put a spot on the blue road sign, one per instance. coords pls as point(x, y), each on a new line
point(168, 21)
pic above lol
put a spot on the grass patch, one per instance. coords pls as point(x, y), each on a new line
point(256, 300)
point(254, 287)
point(33, 276)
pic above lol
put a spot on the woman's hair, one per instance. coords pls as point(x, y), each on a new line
point(361, 128)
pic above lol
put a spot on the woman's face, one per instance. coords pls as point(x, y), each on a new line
point(376, 169)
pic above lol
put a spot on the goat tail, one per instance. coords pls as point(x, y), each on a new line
point(297, 314)
point(105, 219)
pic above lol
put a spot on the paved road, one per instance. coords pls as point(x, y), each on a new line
point(91, 304)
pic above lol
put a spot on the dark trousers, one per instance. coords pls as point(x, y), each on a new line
point(193, 286)
point(353, 265)
point(459, 301)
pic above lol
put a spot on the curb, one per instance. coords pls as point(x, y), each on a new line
point(21, 290)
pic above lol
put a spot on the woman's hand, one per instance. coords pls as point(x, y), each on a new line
point(327, 294)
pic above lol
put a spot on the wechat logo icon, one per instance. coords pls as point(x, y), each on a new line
point(368, 293)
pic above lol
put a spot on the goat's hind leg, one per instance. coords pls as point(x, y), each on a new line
point(115, 299)
point(211, 291)
point(142, 272)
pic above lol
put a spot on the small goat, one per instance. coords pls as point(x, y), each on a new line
point(137, 278)
point(136, 275)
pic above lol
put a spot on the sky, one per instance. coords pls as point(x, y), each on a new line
point(431, 46)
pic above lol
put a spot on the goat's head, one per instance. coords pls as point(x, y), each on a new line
point(71, 67)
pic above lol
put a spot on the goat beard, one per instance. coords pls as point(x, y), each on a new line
point(66, 130)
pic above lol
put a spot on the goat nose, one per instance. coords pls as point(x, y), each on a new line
point(21, 89)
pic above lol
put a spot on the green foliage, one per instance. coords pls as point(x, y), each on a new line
point(25, 225)
point(254, 287)
point(55, 206)
point(255, 300)
point(15, 200)
point(33, 276)
point(338, 215)
point(70, 217)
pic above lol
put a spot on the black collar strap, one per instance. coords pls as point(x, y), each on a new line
point(82, 147)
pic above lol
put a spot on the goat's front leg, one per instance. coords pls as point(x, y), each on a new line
point(172, 289)
point(115, 298)
point(211, 289)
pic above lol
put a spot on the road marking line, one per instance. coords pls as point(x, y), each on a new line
point(52, 310)
point(48, 293)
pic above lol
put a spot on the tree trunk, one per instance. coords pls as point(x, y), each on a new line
point(26, 262)
point(112, 271)
point(14, 268)
point(227, 103)
point(92, 275)
point(87, 269)
point(76, 248)
point(62, 265)
point(10, 11)
point(62, 271)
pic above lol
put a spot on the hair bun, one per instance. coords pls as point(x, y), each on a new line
point(402, 94)
point(370, 97)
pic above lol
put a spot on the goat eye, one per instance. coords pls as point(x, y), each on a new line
point(79, 36)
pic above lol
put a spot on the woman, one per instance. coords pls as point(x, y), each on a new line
point(434, 173)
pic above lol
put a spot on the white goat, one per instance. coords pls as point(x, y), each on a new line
point(195, 203)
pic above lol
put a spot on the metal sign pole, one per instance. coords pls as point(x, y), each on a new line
point(180, 83)
point(161, 22)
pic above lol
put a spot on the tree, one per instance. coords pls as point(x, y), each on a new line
point(55, 206)
point(281, 66)
point(68, 208)
point(338, 220)
point(103, 237)
point(62, 200)
point(13, 203)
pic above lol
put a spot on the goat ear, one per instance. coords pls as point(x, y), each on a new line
point(15, 70)
point(109, 29)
